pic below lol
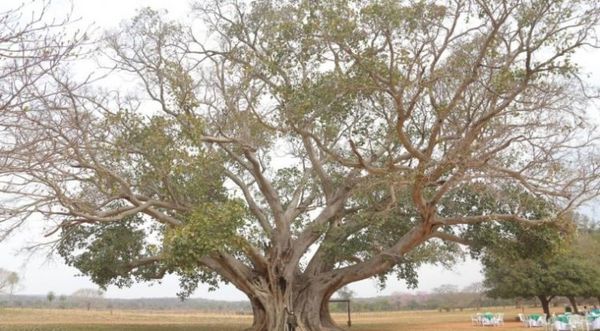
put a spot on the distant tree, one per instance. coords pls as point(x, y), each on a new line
point(62, 299)
point(4, 280)
point(88, 296)
point(9, 280)
point(400, 300)
point(345, 293)
point(564, 273)
point(478, 291)
point(446, 289)
point(447, 295)
point(50, 297)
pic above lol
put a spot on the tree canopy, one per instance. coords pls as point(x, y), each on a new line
point(293, 147)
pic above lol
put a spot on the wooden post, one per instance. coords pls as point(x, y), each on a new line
point(349, 320)
point(347, 306)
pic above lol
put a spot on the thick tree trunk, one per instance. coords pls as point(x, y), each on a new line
point(545, 304)
point(260, 316)
point(270, 318)
point(573, 304)
point(279, 289)
point(275, 316)
point(310, 306)
point(325, 315)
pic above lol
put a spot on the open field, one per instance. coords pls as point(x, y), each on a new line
point(15, 319)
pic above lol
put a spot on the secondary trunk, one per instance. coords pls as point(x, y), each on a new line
point(573, 304)
point(260, 316)
point(545, 304)
point(269, 317)
point(312, 306)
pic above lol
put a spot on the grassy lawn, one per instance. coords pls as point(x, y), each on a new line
point(13, 319)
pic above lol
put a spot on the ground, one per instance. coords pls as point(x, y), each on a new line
point(15, 319)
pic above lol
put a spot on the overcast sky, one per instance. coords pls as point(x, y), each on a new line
point(41, 274)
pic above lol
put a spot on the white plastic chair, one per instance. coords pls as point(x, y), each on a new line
point(560, 326)
point(500, 318)
point(538, 323)
point(544, 320)
point(593, 324)
point(493, 321)
point(578, 322)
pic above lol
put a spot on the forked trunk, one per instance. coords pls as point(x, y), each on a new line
point(311, 308)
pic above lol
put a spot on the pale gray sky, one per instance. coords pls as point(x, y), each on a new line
point(41, 275)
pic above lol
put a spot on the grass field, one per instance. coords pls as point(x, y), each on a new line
point(13, 319)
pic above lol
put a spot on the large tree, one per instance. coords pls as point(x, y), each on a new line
point(294, 147)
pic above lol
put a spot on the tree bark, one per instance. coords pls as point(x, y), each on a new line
point(269, 315)
point(309, 303)
point(573, 304)
point(312, 308)
point(312, 312)
point(260, 316)
point(545, 304)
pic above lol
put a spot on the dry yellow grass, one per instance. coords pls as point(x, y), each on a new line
point(15, 316)
point(130, 320)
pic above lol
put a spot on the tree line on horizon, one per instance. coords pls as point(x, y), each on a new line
point(444, 298)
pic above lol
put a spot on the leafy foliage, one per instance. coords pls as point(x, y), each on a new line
point(566, 272)
point(104, 251)
point(210, 228)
